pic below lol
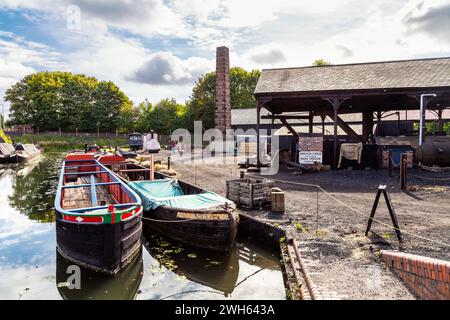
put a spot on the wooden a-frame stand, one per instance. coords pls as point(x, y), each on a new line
point(382, 189)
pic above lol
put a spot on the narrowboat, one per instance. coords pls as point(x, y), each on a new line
point(25, 152)
point(180, 210)
point(98, 217)
point(7, 151)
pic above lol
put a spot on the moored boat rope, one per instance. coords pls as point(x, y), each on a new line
point(356, 210)
point(168, 221)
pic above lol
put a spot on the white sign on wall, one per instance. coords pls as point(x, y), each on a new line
point(310, 157)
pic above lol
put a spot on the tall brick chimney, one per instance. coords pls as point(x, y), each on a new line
point(223, 96)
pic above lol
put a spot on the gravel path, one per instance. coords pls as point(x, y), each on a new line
point(342, 262)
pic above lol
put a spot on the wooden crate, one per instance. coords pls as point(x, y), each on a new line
point(250, 193)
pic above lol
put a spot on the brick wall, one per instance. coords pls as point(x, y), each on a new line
point(428, 278)
point(223, 95)
point(409, 158)
point(310, 142)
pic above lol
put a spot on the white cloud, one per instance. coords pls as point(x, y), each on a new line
point(144, 17)
point(174, 41)
point(201, 10)
point(265, 55)
point(163, 68)
point(19, 57)
point(431, 18)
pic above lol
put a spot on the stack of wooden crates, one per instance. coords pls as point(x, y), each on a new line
point(249, 192)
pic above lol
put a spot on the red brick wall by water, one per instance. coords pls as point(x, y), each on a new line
point(428, 278)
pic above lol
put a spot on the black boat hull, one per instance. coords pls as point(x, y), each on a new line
point(101, 247)
point(208, 229)
point(4, 159)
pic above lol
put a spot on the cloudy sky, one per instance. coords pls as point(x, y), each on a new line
point(158, 48)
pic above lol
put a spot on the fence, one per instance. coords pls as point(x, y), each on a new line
point(68, 134)
point(163, 139)
point(404, 172)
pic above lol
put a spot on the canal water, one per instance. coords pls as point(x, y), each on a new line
point(32, 269)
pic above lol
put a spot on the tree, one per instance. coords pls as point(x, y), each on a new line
point(126, 121)
point(321, 63)
point(202, 103)
point(53, 100)
point(163, 117)
point(242, 87)
point(144, 114)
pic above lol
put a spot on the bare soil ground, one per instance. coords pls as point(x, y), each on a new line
point(342, 262)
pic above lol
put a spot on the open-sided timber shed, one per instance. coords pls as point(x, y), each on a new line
point(367, 88)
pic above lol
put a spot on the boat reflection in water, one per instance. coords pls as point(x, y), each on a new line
point(216, 270)
point(98, 285)
point(219, 271)
point(257, 254)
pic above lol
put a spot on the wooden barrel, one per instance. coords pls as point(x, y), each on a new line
point(277, 200)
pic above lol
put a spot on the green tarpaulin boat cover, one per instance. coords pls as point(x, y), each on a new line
point(167, 192)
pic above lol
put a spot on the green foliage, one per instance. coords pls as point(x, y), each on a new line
point(53, 100)
point(320, 63)
point(386, 236)
point(201, 105)
point(66, 143)
point(163, 117)
point(432, 127)
point(242, 87)
point(446, 128)
point(299, 227)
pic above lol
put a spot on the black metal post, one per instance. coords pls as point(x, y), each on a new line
point(258, 111)
point(335, 142)
point(389, 163)
point(403, 171)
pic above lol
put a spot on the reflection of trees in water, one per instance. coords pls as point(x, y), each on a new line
point(34, 189)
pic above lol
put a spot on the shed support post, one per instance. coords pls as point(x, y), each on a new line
point(440, 122)
point(335, 102)
point(258, 113)
point(336, 105)
point(310, 122)
point(378, 122)
point(367, 125)
point(322, 117)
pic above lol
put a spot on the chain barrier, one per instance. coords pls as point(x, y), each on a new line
point(358, 211)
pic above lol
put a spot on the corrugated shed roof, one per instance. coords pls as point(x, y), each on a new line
point(421, 73)
point(247, 116)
